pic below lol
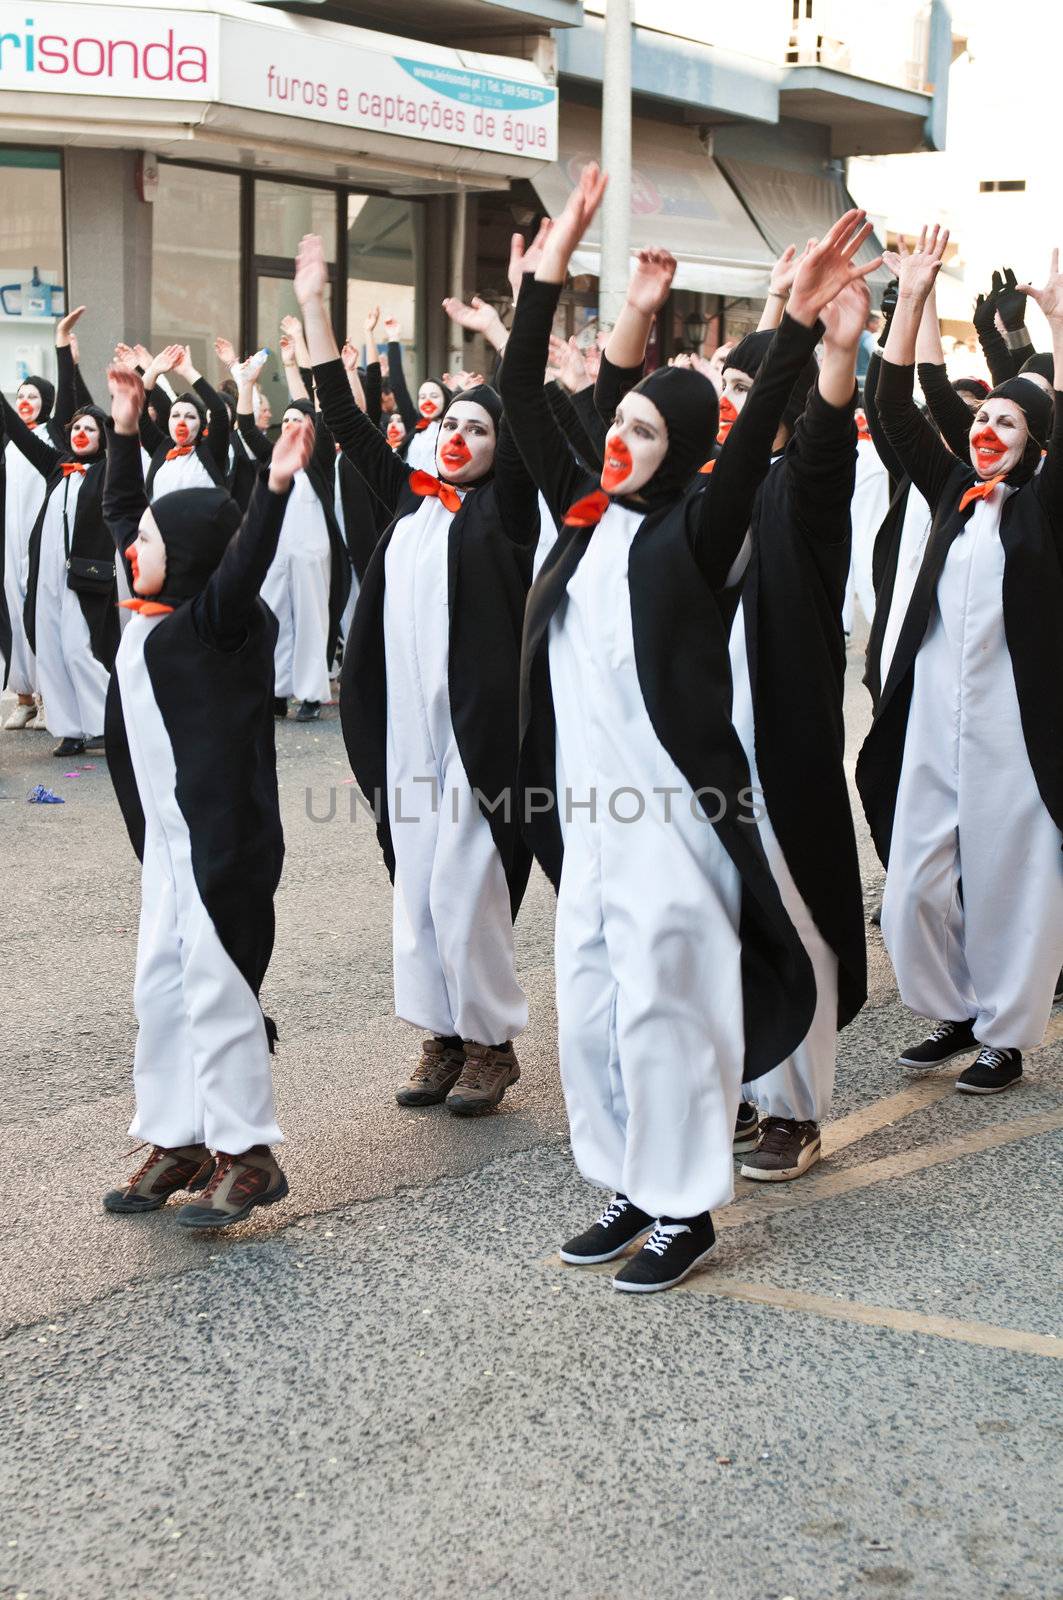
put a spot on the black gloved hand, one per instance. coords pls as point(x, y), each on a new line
point(985, 307)
point(1011, 303)
point(888, 307)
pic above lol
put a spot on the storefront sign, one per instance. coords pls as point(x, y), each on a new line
point(287, 66)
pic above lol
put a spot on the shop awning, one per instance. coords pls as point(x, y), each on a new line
point(680, 200)
point(791, 207)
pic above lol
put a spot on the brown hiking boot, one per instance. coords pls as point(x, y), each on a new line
point(485, 1077)
point(239, 1184)
point(786, 1149)
point(164, 1173)
point(434, 1075)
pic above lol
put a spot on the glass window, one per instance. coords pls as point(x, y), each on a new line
point(381, 268)
point(31, 263)
point(285, 211)
point(274, 299)
point(195, 277)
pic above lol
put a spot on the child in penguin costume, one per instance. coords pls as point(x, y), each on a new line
point(679, 971)
point(195, 454)
point(190, 743)
point(428, 703)
point(962, 763)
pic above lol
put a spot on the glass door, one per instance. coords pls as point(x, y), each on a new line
point(283, 212)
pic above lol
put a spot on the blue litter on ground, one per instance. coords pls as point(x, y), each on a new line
point(40, 796)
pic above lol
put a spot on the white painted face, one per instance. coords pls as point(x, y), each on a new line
point(184, 422)
point(998, 437)
point(430, 401)
point(717, 363)
point(636, 445)
point(465, 446)
point(147, 557)
point(84, 436)
point(733, 391)
point(293, 418)
point(28, 403)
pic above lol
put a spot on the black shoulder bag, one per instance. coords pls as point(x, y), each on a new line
point(84, 574)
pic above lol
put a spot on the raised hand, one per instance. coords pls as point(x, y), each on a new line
point(526, 258)
point(826, 268)
point(917, 271)
point(1011, 303)
point(579, 212)
point(683, 359)
point(845, 316)
point(75, 349)
point(311, 270)
point(169, 359)
point(1050, 298)
point(651, 281)
point(127, 398)
point(372, 317)
point(65, 326)
point(287, 348)
point(143, 355)
point(183, 365)
point(124, 357)
point(785, 269)
point(291, 454)
point(393, 329)
point(292, 327)
point(478, 317)
point(349, 356)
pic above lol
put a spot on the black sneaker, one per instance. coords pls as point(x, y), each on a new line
point(670, 1254)
point(309, 711)
point(747, 1128)
point(619, 1225)
point(992, 1073)
point(69, 747)
point(948, 1039)
point(280, 707)
point(1057, 998)
point(787, 1148)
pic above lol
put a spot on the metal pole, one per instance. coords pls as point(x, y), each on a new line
point(616, 160)
point(455, 337)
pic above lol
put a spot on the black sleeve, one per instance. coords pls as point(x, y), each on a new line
point(541, 443)
point(162, 403)
point(722, 514)
point(254, 438)
point(232, 588)
point(611, 385)
point(951, 414)
point(364, 445)
point(124, 496)
point(563, 410)
point(593, 426)
point(82, 393)
point(924, 458)
point(31, 442)
point(516, 496)
point(67, 398)
point(372, 388)
point(151, 436)
point(397, 378)
point(324, 455)
point(218, 414)
point(307, 375)
point(886, 453)
point(1049, 481)
point(999, 359)
point(821, 469)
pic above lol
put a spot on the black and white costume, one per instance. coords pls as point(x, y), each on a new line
point(678, 968)
point(191, 751)
point(428, 703)
point(204, 463)
point(962, 772)
point(23, 497)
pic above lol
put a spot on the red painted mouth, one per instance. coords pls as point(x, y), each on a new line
point(618, 463)
point(130, 554)
point(728, 418)
point(989, 451)
point(429, 408)
point(25, 410)
point(455, 454)
point(181, 432)
point(80, 441)
point(396, 433)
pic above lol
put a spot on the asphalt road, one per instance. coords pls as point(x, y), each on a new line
point(390, 1387)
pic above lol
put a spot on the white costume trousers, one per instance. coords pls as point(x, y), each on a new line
point(455, 970)
point(201, 1071)
point(73, 683)
point(973, 911)
point(647, 952)
point(341, 522)
point(23, 497)
point(870, 502)
point(799, 1088)
point(915, 531)
point(297, 592)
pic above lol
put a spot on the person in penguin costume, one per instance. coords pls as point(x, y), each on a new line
point(679, 970)
point(421, 421)
point(190, 744)
point(428, 703)
point(69, 614)
point(788, 667)
point(962, 761)
point(195, 453)
point(24, 490)
point(308, 583)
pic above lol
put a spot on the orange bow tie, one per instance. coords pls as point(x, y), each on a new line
point(180, 450)
point(146, 608)
point(978, 491)
point(425, 422)
point(424, 484)
point(70, 467)
point(588, 512)
point(709, 467)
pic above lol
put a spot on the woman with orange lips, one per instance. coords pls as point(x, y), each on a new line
point(428, 703)
point(960, 775)
point(195, 454)
point(69, 614)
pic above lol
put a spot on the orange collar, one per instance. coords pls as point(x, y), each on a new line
point(180, 450)
point(978, 491)
point(588, 512)
point(710, 466)
point(146, 608)
point(424, 484)
point(71, 467)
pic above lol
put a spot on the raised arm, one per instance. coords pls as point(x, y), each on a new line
point(1005, 345)
point(31, 442)
point(946, 407)
point(1050, 478)
point(916, 444)
point(217, 412)
point(397, 378)
point(67, 396)
point(124, 497)
point(232, 590)
point(152, 436)
point(383, 472)
point(821, 459)
point(293, 377)
point(373, 390)
point(781, 282)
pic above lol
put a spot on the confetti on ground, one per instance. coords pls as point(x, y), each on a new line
point(40, 796)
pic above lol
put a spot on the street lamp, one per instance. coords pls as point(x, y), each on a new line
point(695, 327)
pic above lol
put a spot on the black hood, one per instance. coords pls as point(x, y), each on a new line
point(1043, 363)
point(747, 356)
point(1037, 408)
point(105, 429)
point(196, 526)
point(46, 391)
point(691, 413)
point(482, 395)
